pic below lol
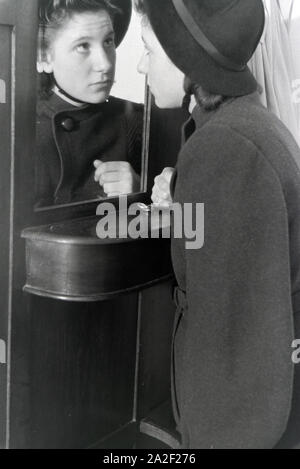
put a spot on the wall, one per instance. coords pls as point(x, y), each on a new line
point(129, 83)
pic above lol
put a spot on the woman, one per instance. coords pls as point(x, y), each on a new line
point(238, 296)
point(85, 138)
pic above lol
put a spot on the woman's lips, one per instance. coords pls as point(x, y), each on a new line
point(102, 84)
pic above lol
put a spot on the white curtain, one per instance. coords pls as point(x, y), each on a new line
point(273, 66)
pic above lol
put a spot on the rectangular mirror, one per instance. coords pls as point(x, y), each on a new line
point(90, 118)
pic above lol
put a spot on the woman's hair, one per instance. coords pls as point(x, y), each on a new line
point(140, 7)
point(52, 15)
point(206, 100)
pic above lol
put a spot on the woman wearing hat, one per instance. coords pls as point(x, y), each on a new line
point(85, 138)
point(237, 297)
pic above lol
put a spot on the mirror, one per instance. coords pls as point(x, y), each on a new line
point(90, 104)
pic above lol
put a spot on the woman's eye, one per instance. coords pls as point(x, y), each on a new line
point(83, 48)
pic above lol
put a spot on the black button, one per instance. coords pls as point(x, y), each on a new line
point(68, 124)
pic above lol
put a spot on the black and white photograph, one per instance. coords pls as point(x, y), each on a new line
point(149, 227)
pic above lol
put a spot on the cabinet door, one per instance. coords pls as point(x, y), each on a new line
point(17, 89)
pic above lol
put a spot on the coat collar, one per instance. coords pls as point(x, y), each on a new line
point(201, 117)
point(56, 105)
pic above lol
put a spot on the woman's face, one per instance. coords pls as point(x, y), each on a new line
point(165, 80)
point(82, 56)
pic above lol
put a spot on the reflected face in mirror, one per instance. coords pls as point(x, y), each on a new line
point(82, 56)
point(89, 143)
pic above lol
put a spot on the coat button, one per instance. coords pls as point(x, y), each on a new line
point(68, 124)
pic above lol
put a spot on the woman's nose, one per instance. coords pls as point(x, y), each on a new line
point(142, 65)
point(103, 61)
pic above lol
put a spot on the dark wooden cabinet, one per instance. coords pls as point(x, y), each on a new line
point(73, 374)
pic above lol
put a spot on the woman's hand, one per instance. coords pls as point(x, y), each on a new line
point(161, 190)
point(116, 178)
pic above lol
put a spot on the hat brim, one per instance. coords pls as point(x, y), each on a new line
point(191, 58)
point(122, 21)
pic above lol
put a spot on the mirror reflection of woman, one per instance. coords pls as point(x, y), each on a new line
point(88, 143)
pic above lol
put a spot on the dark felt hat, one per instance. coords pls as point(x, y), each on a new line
point(211, 41)
point(122, 20)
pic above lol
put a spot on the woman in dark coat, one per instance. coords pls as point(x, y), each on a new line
point(238, 297)
point(88, 143)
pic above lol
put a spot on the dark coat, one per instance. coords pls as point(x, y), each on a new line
point(232, 366)
point(69, 139)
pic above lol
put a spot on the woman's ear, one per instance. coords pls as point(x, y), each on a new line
point(40, 67)
point(48, 64)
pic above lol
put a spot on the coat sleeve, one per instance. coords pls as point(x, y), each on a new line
point(238, 383)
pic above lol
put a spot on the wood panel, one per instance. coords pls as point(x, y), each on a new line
point(5, 138)
point(16, 135)
point(155, 348)
point(19, 200)
point(82, 370)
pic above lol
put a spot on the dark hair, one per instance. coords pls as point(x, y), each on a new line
point(52, 15)
point(206, 100)
point(54, 12)
point(140, 7)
